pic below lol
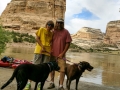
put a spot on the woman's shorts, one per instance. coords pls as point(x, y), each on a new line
point(41, 58)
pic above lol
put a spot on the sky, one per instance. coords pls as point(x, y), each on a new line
point(86, 13)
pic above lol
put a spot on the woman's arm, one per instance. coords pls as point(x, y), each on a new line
point(39, 42)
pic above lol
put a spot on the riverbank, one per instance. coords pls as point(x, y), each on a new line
point(32, 45)
point(5, 74)
point(24, 44)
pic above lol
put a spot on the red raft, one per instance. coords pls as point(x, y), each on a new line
point(18, 62)
point(5, 64)
point(13, 64)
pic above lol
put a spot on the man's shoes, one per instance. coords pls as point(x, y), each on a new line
point(51, 85)
point(61, 88)
point(38, 86)
point(28, 86)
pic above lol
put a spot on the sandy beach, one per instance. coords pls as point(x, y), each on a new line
point(5, 74)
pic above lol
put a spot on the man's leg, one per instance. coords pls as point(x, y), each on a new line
point(62, 76)
point(62, 65)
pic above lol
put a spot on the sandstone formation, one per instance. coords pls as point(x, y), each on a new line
point(89, 33)
point(112, 35)
point(29, 15)
point(87, 37)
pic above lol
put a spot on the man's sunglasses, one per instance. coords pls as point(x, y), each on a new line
point(50, 25)
point(60, 22)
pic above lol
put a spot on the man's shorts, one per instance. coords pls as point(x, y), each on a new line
point(41, 58)
point(61, 63)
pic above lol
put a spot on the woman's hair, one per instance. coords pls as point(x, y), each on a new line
point(50, 22)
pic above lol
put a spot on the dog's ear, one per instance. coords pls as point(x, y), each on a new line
point(80, 62)
point(80, 65)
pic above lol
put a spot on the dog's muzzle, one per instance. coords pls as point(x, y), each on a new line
point(90, 68)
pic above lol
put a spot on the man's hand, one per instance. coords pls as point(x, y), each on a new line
point(61, 55)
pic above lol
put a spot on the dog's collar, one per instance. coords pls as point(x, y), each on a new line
point(79, 66)
point(49, 67)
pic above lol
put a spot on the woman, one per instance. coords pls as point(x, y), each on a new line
point(43, 46)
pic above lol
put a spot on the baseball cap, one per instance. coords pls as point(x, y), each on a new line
point(60, 20)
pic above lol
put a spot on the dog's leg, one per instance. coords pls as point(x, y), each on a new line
point(69, 82)
point(21, 84)
point(21, 80)
point(77, 80)
point(18, 86)
point(42, 84)
point(36, 86)
point(59, 82)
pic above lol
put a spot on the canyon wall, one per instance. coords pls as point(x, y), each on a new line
point(29, 15)
point(112, 35)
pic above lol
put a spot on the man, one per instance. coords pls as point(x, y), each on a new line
point(60, 44)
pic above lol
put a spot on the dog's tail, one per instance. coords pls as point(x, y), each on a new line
point(10, 80)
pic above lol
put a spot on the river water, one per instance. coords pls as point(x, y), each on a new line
point(106, 67)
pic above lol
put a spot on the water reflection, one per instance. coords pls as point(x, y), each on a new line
point(20, 53)
point(106, 67)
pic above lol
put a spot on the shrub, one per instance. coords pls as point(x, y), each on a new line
point(4, 38)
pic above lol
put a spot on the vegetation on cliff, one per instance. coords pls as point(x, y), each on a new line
point(4, 38)
point(16, 37)
point(100, 48)
point(22, 37)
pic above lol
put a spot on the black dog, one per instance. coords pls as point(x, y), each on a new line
point(75, 71)
point(37, 73)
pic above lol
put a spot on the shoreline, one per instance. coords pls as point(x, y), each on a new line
point(82, 85)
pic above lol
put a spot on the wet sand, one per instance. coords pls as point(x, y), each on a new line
point(5, 74)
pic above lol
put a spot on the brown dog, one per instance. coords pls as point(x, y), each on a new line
point(75, 71)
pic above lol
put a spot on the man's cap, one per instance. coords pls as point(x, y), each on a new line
point(60, 20)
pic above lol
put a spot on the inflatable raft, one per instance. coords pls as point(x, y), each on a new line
point(18, 62)
point(8, 62)
point(5, 64)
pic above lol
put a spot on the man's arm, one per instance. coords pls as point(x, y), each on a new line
point(67, 45)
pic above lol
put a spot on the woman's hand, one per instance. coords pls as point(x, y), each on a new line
point(43, 49)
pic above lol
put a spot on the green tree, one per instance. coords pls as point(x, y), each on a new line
point(3, 39)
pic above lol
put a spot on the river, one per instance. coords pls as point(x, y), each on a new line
point(106, 67)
